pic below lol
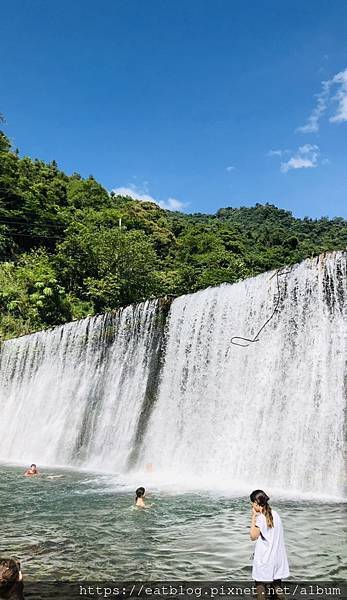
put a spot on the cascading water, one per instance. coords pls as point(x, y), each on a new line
point(114, 391)
point(270, 414)
point(74, 395)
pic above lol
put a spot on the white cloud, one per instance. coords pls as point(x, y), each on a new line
point(306, 157)
point(131, 191)
point(143, 195)
point(312, 125)
point(339, 82)
point(230, 168)
point(278, 152)
point(341, 97)
point(172, 204)
point(275, 153)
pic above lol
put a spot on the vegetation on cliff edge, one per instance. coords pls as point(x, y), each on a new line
point(68, 248)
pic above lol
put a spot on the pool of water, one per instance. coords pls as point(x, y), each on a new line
point(85, 526)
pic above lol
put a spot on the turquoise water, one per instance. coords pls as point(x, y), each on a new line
point(85, 526)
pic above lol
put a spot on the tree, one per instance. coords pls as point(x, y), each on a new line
point(109, 267)
point(30, 295)
point(69, 248)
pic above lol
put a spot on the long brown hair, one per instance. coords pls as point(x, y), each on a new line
point(262, 499)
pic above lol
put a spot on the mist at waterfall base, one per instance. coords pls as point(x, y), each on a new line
point(159, 385)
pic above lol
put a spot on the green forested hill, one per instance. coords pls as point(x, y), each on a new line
point(68, 248)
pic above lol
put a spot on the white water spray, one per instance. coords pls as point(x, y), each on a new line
point(269, 415)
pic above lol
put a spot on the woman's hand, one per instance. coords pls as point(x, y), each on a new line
point(254, 531)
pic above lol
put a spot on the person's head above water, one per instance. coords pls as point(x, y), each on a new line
point(260, 504)
point(140, 492)
point(32, 470)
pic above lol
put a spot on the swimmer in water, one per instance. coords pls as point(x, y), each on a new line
point(32, 471)
point(140, 494)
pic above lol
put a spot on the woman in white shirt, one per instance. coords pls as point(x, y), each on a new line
point(270, 562)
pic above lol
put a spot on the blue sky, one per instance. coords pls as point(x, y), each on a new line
point(198, 104)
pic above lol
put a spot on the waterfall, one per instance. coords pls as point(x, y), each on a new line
point(165, 385)
point(74, 395)
point(270, 414)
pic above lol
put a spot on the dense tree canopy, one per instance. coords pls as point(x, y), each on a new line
point(68, 248)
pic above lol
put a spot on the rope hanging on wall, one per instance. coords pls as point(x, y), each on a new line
point(279, 273)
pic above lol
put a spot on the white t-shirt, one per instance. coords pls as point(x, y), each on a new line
point(270, 558)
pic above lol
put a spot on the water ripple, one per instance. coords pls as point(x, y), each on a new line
point(81, 526)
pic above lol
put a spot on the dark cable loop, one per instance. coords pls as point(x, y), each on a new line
point(277, 274)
